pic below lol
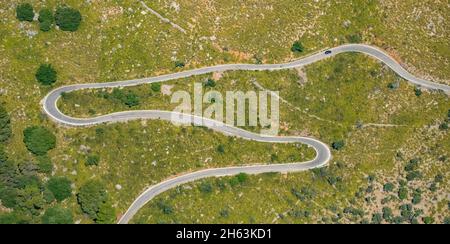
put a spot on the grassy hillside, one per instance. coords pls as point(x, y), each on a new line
point(118, 41)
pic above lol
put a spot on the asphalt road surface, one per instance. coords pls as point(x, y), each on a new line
point(323, 154)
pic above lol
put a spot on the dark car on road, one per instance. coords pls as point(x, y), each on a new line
point(327, 52)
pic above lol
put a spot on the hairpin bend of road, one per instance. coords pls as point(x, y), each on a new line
point(323, 153)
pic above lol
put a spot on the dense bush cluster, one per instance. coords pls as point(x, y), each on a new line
point(23, 192)
point(66, 18)
point(94, 201)
point(130, 99)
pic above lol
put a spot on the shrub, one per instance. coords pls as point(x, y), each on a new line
point(91, 197)
point(179, 64)
point(46, 74)
point(57, 215)
point(403, 193)
point(221, 149)
point(338, 145)
point(444, 126)
point(394, 85)
point(165, 207)
point(377, 218)
point(8, 195)
point(447, 220)
point(92, 160)
point(131, 100)
point(25, 12)
point(3, 155)
point(428, 220)
point(242, 178)
point(106, 214)
point(417, 197)
point(156, 87)
point(39, 140)
point(210, 83)
point(46, 19)
point(224, 213)
point(60, 187)
point(45, 164)
point(439, 178)
point(68, 19)
point(418, 91)
point(413, 175)
point(387, 213)
point(206, 187)
point(388, 187)
point(297, 47)
point(354, 38)
point(412, 165)
point(5, 125)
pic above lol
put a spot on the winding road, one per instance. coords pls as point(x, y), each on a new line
point(323, 154)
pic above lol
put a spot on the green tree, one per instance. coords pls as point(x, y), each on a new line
point(91, 197)
point(60, 187)
point(57, 215)
point(68, 19)
point(5, 125)
point(297, 47)
point(106, 214)
point(39, 140)
point(46, 74)
point(25, 12)
point(46, 19)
